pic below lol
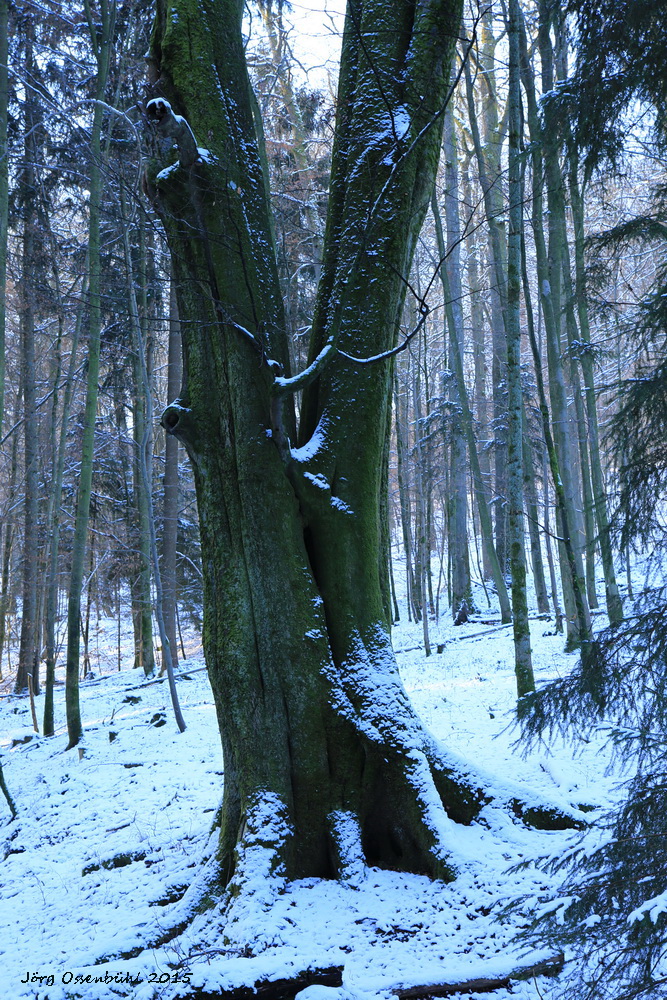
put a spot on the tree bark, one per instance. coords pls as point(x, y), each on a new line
point(549, 274)
point(53, 520)
point(522, 654)
point(144, 657)
point(458, 521)
point(467, 420)
point(296, 633)
point(102, 46)
point(28, 650)
point(4, 189)
point(487, 153)
point(170, 503)
point(586, 359)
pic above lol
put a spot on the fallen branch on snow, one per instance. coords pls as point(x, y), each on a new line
point(548, 967)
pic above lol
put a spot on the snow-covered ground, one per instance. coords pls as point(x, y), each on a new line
point(145, 792)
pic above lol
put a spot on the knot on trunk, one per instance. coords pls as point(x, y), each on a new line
point(173, 129)
point(177, 420)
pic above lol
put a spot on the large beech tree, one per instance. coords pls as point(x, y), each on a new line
point(325, 760)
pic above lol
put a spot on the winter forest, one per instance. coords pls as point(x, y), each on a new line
point(333, 423)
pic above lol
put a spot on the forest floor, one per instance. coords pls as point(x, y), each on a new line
point(97, 864)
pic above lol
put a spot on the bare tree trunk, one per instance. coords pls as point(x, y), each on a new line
point(4, 190)
point(404, 497)
point(28, 651)
point(466, 416)
point(613, 600)
point(8, 539)
point(458, 521)
point(481, 403)
point(490, 172)
point(144, 388)
point(102, 42)
point(53, 520)
point(170, 515)
point(423, 542)
point(523, 665)
point(530, 495)
point(549, 270)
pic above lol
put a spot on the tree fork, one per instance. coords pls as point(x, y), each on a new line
point(315, 723)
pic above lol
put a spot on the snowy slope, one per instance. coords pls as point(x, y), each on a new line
point(148, 793)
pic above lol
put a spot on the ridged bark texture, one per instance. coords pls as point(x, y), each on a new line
point(316, 727)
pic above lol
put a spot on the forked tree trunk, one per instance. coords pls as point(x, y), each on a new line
point(325, 760)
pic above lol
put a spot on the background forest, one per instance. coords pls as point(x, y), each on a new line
point(526, 460)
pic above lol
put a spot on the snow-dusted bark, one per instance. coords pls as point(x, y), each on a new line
point(312, 712)
point(327, 767)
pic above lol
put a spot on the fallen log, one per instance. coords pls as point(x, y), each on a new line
point(275, 989)
point(547, 967)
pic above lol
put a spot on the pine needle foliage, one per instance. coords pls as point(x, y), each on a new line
point(613, 908)
point(621, 59)
point(612, 913)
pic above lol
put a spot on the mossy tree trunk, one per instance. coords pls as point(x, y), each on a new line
point(325, 760)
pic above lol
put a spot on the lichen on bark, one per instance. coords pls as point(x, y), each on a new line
point(312, 713)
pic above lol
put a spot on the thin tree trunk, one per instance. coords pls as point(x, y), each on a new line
point(530, 494)
point(458, 522)
point(142, 435)
point(145, 389)
point(481, 402)
point(404, 496)
point(170, 508)
point(466, 416)
point(490, 175)
point(422, 533)
point(8, 538)
point(549, 269)
point(523, 665)
point(558, 614)
point(53, 520)
point(102, 44)
point(29, 637)
point(5, 791)
point(613, 600)
point(4, 190)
